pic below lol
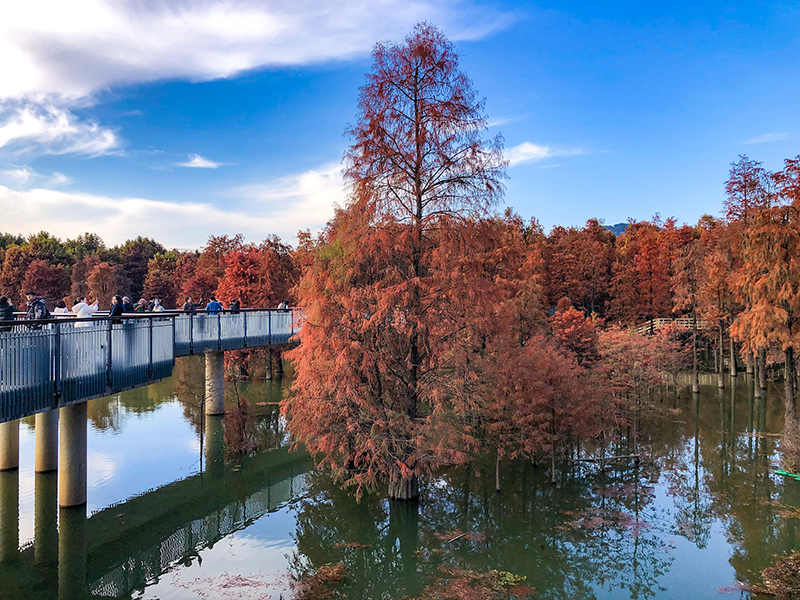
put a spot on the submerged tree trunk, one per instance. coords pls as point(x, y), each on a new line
point(789, 386)
point(733, 370)
point(497, 472)
point(762, 368)
point(269, 363)
point(695, 376)
point(721, 363)
point(790, 444)
point(750, 362)
point(402, 488)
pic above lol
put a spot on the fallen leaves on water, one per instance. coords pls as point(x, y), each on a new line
point(465, 584)
point(781, 580)
point(317, 585)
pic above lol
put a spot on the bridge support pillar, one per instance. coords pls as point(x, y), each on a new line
point(45, 518)
point(9, 515)
point(9, 445)
point(72, 552)
point(215, 446)
point(72, 455)
point(46, 441)
point(215, 383)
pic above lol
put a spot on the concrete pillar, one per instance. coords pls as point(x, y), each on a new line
point(9, 445)
point(72, 455)
point(215, 383)
point(72, 552)
point(45, 518)
point(46, 441)
point(9, 515)
point(215, 446)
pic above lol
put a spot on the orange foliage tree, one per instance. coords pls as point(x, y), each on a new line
point(375, 363)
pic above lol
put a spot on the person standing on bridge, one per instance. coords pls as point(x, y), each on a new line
point(37, 309)
point(235, 306)
point(116, 309)
point(214, 306)
point(188, 306)
point(7, 311)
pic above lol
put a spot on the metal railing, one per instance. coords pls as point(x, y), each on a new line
point(55, 362)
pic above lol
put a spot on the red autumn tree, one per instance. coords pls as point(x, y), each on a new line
point(575, 332)
point(51, 282)
point(374, 362)
point(104, 281)
point(160, 280)
point(642, 278)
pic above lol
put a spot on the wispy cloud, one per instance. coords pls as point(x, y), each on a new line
point(24, 176)
point(48, 129)
point(528, 152)
point(500, 121)
point(765, 138)
point(279, 207)
point(200, 162)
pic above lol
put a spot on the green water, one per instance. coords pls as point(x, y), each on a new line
point(175, 512)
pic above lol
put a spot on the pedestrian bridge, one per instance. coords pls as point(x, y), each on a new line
point(51, 368)
point(65, 361)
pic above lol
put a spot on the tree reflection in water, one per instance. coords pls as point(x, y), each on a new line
point(595, 531)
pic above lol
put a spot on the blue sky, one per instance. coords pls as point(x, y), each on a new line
point(178, 120)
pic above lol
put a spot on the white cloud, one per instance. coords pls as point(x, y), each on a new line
point(49, 129)
point(767, 137)
point(200, 162)
point(71, 50)
point(24, 176)
point(17, 175)
point(527, 152)
point(282, 207)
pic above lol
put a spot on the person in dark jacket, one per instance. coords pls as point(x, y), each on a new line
point(7, 311)
point(235, 306)
point(189, 306)
point(127, 305)
point(116, 309)
point(37, 309)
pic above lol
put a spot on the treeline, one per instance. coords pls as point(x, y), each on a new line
point(257, 274)
point(433, 342)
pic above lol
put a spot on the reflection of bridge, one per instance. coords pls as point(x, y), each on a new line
point(129, 545)
point(51, 368)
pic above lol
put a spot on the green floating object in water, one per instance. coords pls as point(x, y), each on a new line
point(795, 476)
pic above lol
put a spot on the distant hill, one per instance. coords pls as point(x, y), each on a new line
point(617, 229)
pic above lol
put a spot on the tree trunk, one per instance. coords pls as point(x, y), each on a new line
point(790, 443)
point(269, 363)
point(762, 368)
point(553, 463)
point(497, 472)
point(279, 363)
point(788, 377)
point(401, 488)
point(733, 370)
point(750, 362)
point(721, 363)
point(695, 376)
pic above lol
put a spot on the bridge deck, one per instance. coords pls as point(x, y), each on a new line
point(62, 362)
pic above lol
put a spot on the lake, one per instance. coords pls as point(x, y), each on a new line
point(175, 512)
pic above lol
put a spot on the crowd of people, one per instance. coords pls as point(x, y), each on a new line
point(36, 309)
